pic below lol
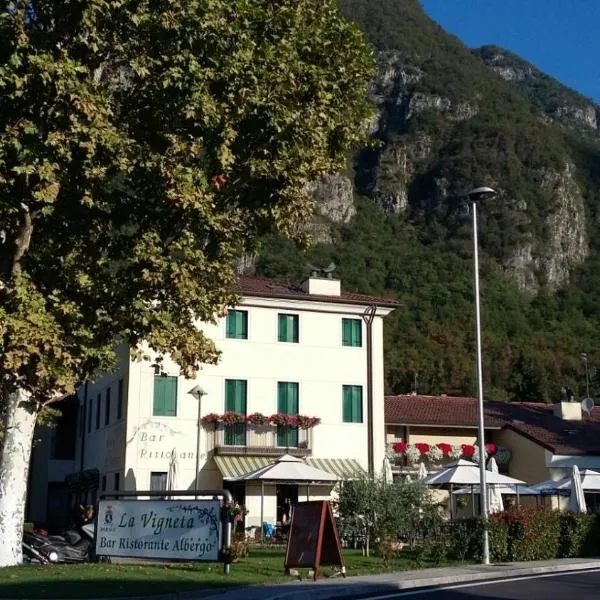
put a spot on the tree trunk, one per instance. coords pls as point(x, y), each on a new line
point(19, 425)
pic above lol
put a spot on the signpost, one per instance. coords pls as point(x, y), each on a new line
point(179, 529)
point(313, 539)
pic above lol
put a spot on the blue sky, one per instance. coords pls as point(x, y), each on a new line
point(560, 37)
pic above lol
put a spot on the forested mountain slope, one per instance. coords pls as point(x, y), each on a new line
point(449, 119)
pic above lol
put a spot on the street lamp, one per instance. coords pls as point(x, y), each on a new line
point(476, 196)
point(197, 392)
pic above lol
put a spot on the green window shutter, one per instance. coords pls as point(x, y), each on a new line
point(352, 406)
point(287, 403)
point(237, 324)
point(351, 332)
point(165, 396)
point(235, 401)
point(288, 328)
point(347, 404)
point(282, 333)
point(357, 411)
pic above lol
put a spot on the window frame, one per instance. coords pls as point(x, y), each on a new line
point(231, 333)
point(282, 333)
point(236, 435)
point(157, 410)
point(349, 336)
point(355, 403)
point(289, 435)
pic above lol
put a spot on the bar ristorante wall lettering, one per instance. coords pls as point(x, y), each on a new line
point(188, 530)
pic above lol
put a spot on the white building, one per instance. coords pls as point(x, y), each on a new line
point(295, 349)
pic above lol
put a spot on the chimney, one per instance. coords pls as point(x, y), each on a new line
point(322, 286)
point(568, 411)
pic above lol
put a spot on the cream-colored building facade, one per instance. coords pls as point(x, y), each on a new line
point(134, 421)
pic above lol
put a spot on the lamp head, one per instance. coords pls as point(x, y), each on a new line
point(481, 193)
point(197, 391)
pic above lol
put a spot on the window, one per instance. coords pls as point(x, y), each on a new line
point(120, 400)
point(352, 409)
point(98, 410)
point(165, 396)
point(158, 481)
point(107, 407)
point(237, 324)
point(287, 403)
point(117, 481)
point(90, 410)
point(288, 328)
point(352, 332)
point(103, 483)
point(235, 401)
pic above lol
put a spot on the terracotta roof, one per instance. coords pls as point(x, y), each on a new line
point(533, 420)
point(266, 287)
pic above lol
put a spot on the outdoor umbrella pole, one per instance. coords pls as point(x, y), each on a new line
point(262, 511)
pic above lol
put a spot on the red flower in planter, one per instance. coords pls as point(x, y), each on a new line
point(468, 450)
point(399, 447)
point(422, 447)
point(257, 419)
point(232, 418)
point(445, 448)
point(305, 422)
point(283, 420)
point(491, 449)
point(210, 419)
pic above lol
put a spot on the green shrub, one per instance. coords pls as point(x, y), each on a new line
point(579, 535)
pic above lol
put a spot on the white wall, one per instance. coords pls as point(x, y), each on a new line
point(319, 363)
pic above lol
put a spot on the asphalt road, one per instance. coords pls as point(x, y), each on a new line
point(569, 586)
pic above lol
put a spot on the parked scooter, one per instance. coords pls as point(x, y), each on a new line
point(76, 544)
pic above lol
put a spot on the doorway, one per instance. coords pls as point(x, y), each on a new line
point(287, 498)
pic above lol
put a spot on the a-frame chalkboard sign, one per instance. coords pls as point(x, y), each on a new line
point(313, 540)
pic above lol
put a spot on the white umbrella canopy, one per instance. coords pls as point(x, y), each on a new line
point(422, 474)
point(495, 502)
point(577, 499)
point(173, 472)
point(506, 490)
point(387, 474)
point(288, 468)
point(464, 472)
point(590, 481)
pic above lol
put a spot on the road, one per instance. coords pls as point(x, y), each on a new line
point(569, 586)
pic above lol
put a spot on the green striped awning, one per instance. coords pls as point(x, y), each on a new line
point(232, 467)
point(344, 468)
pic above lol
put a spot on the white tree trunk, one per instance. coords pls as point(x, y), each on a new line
point(19, 426)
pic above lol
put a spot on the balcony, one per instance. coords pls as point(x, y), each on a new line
point(243, 439)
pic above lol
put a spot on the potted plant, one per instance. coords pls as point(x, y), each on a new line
point(210, 419)
point(257, 419)
point(235, 511)
point(232, 418)
point(228, 555)
point(283, 420)
point(305, 422)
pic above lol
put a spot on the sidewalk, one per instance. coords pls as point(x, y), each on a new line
point(359, 586)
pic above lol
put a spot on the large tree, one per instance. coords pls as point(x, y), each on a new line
point(143, 146)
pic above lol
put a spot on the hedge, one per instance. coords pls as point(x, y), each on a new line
point(526, 534)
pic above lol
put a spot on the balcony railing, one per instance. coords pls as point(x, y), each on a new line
point(270, 440)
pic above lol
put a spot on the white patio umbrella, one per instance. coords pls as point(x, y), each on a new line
point(422, 472)
point(590, 481)
point(506, 490)
point(388, 476)
point(287, 469)
point(464, 472)
point(495, 503)
point(173, 472)
point(577, 499)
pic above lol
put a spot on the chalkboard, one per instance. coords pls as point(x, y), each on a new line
point(313, 539)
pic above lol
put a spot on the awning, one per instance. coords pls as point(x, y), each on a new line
point(232, 467)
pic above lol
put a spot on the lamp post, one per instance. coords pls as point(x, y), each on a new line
point(197, 392)
point(475, 196)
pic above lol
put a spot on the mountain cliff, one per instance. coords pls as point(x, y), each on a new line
point(449, 119)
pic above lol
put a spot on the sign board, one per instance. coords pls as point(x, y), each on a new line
point(313, 540)
point(165, 529)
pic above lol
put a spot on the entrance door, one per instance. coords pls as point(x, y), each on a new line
point(287, 498)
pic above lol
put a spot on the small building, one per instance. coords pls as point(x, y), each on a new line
point(539, 441)
point(307, 354)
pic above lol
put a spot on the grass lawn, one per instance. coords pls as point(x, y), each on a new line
point(111, 580)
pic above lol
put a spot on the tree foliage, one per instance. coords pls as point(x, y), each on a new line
point(142, 149)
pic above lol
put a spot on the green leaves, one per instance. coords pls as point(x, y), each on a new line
point(115, 119)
